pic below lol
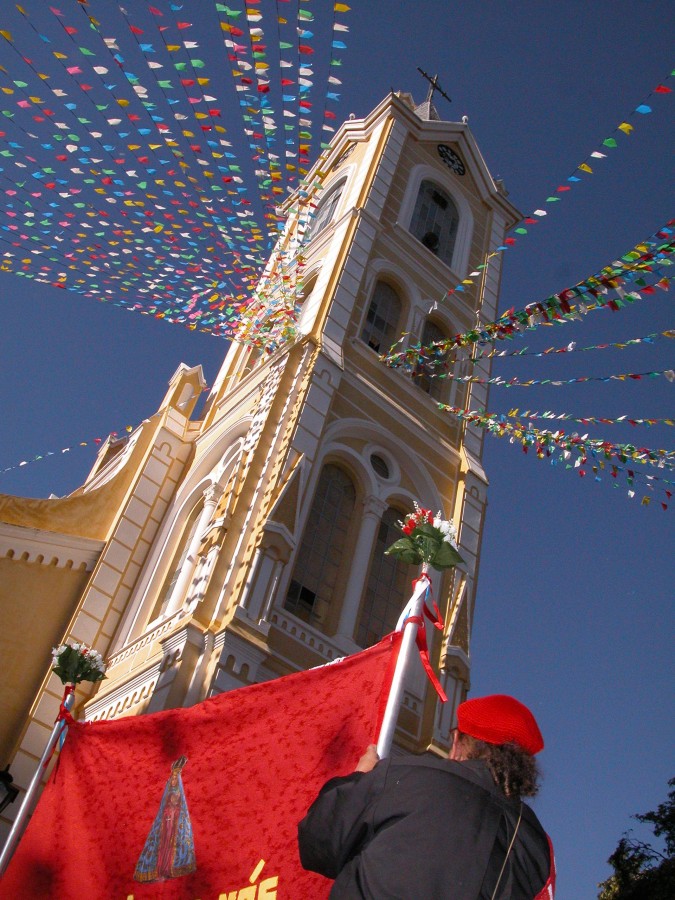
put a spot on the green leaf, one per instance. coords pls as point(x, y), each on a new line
point(428, 545)
point(405, 550)
point(446, 557)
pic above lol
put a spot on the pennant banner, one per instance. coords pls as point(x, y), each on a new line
point(582, 444)
point(139, 172)
point(628, 268)
point(623, 128)
point(201, 803)
point(113, 437)
point(579, 452)
point(572, 347)
point(587, 420)
point(595, 157)
point(424, 372)
point(605, 289)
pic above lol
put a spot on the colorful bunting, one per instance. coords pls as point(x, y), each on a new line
point(605, 288)
point(578, 452)
point(426, 370)
point(538, 214)
point(121, 181)
point(572, 347)
point(587, 420)
point(113, 437)
point(585, 166)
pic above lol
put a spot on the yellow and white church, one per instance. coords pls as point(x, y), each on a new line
point(207, 551)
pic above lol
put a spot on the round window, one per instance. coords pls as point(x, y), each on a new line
point(379, 465)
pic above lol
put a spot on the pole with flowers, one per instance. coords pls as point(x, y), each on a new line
point(428, 541)
point(73, 664)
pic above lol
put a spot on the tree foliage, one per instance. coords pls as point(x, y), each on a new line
point(640, 871)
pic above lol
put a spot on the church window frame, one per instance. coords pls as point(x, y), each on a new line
point(178, 560)
point(308, 285)
point(321, 561)
point(382, 321)
point(255, 354)
point(305, 306)
point(458, 193)
point(326, 210)
point(380, 465)
point(435, 220)
point(425, 376)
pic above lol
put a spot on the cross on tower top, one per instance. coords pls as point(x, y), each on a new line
point(433, 86)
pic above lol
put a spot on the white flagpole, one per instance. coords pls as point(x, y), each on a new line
point(413, 609)
point(26, 807)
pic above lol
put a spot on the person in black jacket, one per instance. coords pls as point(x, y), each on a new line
point(428, 828)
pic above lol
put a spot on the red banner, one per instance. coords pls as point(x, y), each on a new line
point(201, 803)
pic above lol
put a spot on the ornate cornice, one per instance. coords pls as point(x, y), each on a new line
point(48, 548)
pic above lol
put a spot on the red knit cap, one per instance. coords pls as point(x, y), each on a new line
point(500, 719)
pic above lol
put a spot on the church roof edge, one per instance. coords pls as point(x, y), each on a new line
point(402, 105)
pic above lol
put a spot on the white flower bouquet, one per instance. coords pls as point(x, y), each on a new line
point(427, 539)
point(74, 663)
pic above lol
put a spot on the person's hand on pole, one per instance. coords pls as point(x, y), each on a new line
point(369, 759)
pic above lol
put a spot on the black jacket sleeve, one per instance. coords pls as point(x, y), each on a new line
point(339, 821)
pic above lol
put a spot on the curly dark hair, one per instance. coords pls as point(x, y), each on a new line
point(513, 770)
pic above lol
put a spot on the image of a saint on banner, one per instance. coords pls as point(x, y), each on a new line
point(169, 851)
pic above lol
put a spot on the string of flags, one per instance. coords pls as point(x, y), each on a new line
point(583, 444)
point(497, 380)
point(636, 274)
point(543, 442)
point(586, 420)
point(572, 347)
point(167, 122)
point(113, 122)
point(623, 129)
point(91, 442)
point(626, 127)
point(581, 453)
point(603, 289)
point(121, 181)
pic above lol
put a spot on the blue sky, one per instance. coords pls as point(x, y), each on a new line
point(574, 604)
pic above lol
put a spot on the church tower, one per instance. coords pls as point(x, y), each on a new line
point(247, 542)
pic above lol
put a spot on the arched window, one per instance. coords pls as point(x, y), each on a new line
point(326, 211)
point(388, 586)
point(382, 318)
point(178, 562)
point(434, 221)
point(306, 290)
point(304, 307)
point(254, 355)
point(426, 374)
point(320, 556)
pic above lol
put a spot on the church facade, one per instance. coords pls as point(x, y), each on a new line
point(212, 550)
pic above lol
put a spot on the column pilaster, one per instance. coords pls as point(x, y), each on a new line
point(373, 508)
